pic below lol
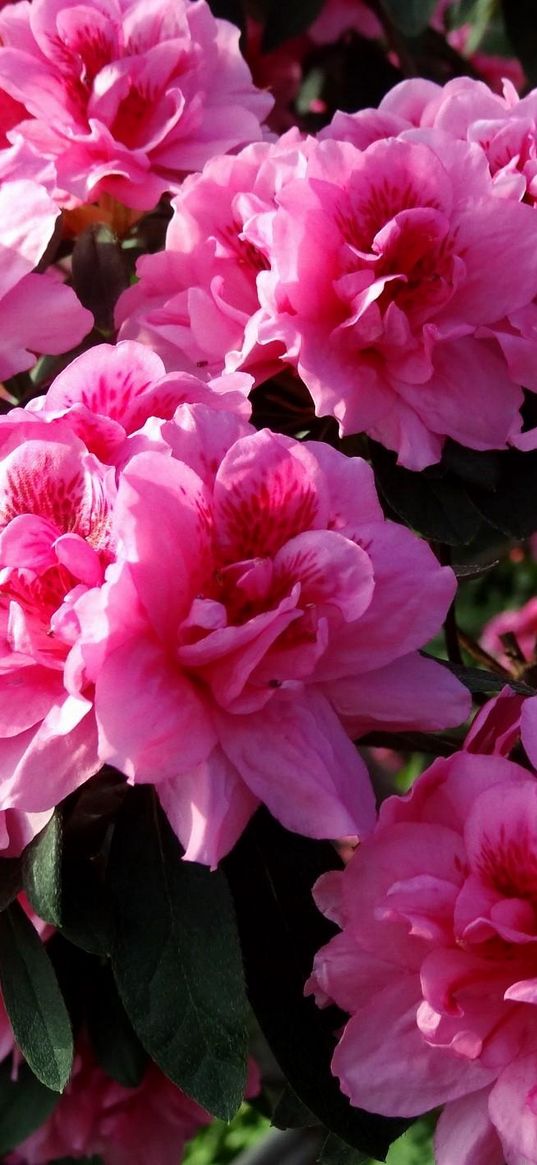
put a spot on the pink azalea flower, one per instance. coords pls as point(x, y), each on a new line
point(57, 491)
point(496, 728)
point(271, 601)
point(386, 280)
point(38, 314)
point(125, 96)
point(522, 624)
point(107, 395)
point(96, 1115)
point(435, 960)
point(197, 302)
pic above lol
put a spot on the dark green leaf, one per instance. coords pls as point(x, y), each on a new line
point(521, 27)
point(271, 873)
point(177, 960)
point(116, 1045)
point(284, 21)
point(33, 1000)
point(24, 1105)
point(478, 680)
point(481, 469)
point(10, 880)
point(436, 505)
point(409, 16)
point(42, 871)
point(336, 1152)
point(290, 1113)
point(100, 273)
point(511, 506)
point(86, 911)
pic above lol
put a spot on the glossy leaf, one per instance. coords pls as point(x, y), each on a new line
point(25, 1104)
point(410, 16)
point(436, 504)
point(42, 871)
point(285, 21)
point(176, 958)
point(33, 1000)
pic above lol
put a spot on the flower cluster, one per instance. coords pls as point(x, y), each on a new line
point(267, 393)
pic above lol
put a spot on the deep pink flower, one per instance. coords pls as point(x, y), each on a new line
point(435, 960)
point(38, 314)
point(271, 602)
point(125, 96)
point(96, 1115)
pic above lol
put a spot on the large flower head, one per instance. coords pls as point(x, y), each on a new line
point(127, 96)
point(386, 277)
point(436, 960)
point(268, 614)
point(59, 467)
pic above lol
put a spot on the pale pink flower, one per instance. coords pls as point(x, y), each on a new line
point(197, 302)
point(126, 96)
point(270, 612)
point(38, 313)
point(124, 1126)
point(435, 960)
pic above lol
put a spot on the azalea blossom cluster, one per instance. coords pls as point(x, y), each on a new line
point(259, 392)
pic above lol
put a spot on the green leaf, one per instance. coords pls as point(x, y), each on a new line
point(410, 16)
point(176, 958)
point(271, 873)
point(24, 1105)
point(33, 1000)
point(336, 1152)
point(100, 272)
point(285, 21)
point(116, 1045)
point(42, 871)
point(10, 880)
point(510, 507)
point(290, 1113)
point(435, 504)
point(521, 28)
point(477, 680)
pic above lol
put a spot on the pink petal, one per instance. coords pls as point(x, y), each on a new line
point(412, 693)
point(208, 808)
point(465, 1134)
point(311, 778)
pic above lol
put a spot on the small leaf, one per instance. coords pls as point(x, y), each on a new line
point(25, 1104)
point(435, 504)
point(33, 1000)
point(285, 21)
point(336, 1152)
point(100, 273)
point(477, 680)
point(410, 16)
point(177, 960)
point(42, 871)
point(10, 880)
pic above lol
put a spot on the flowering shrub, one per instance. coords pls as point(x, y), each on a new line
point(268, 468)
